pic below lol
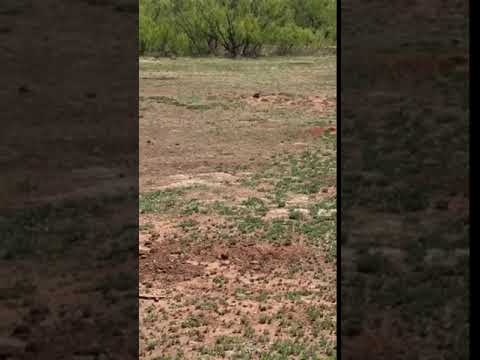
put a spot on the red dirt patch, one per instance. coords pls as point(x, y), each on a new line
point(265, 256)
point(167, 264)
point(167, 260)
point(322, 105)
point(320, 131)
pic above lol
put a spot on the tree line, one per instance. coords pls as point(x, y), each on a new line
point(235, 28)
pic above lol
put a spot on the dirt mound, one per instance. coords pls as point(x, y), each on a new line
point(264, 255)
point(322, 104)
point(320, 131)
point(167, 264)
point(315, 103)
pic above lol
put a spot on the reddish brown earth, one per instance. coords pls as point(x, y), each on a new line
point(209, 289)
point(319, 131)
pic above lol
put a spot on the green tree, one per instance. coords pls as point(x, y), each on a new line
point(235, 27)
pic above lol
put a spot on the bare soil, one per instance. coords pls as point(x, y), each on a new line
point(236, 248)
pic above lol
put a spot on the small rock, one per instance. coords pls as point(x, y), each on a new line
point(144, 250)
point(303, 212)
point(326, 212)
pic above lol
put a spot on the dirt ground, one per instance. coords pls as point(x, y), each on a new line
point(238, 208)
point(66, 216)
point(405, 181)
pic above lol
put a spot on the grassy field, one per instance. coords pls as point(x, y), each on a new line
point(238, 208)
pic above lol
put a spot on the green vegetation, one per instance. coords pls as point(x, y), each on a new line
point(235, 27)
point(242, 264)
point(159, 201)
